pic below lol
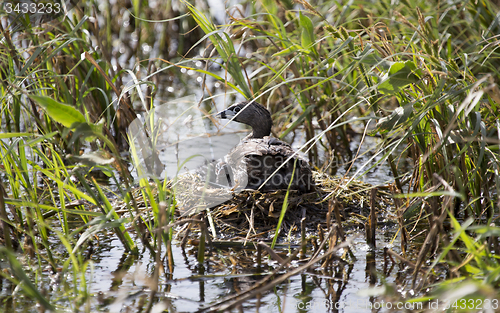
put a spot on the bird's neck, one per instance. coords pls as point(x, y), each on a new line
point(262, 129)
point(260, 133)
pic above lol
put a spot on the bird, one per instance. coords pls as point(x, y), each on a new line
point(261, 161)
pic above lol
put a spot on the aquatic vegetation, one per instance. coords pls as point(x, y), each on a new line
point(419, 79)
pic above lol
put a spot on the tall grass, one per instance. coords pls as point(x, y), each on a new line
point(426, 77)
point(64, 115)
point(421, 76)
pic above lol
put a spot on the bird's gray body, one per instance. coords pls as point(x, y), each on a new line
point(260, 161)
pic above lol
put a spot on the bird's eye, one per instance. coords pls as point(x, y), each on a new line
point(236, 109)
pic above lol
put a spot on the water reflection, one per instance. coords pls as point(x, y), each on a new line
point(339, 287)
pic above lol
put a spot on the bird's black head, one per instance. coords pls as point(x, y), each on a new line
point(252, 114)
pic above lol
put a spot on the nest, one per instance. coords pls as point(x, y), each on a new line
point(250, 214)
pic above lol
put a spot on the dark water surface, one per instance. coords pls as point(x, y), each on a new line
point(348, 287)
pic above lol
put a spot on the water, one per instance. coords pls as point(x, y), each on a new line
point(345, 286)
point(187, 135)
point(187, 130)
point(119, 281)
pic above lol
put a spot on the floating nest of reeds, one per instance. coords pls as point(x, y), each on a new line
point(250, 214)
